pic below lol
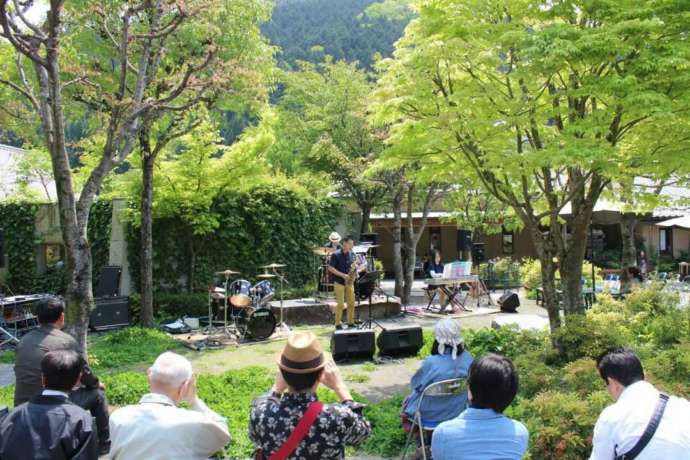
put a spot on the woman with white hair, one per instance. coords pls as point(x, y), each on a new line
point(449, 360)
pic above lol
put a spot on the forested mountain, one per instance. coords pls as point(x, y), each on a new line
point(338, 28)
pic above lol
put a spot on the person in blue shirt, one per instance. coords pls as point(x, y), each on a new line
point(448, 360)
point(482, 432)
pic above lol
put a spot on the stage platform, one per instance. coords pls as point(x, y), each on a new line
point(322, 311)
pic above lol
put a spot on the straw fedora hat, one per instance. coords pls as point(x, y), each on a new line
point(302, 354)
point(334, 237)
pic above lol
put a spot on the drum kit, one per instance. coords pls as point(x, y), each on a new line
point(245, 308)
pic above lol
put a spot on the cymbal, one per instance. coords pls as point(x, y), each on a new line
point(266, 275)
point(321, 251)
point(228, 272)
point(274, 265)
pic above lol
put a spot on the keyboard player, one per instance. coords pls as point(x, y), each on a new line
point(433, 268)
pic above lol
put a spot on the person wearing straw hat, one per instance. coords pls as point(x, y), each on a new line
point(333, 242)
point(448, 360)
point(289, 422)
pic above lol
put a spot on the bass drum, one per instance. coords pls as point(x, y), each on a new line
point(259, 324)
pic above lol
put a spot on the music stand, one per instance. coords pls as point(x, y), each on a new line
point(372, 277)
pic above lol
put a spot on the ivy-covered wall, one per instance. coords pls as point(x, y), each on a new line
point(267, 224)
point(100, 222)
point(18, 225)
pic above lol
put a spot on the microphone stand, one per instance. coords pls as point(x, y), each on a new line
point(283, 327)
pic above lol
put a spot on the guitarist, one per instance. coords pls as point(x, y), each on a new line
point(342, 266)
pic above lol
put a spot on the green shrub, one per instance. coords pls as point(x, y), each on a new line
point(487, 340)
point(530, 273)
point(590, 335)
point(7, 396)
point(609, 258)
point(170, 305)
point(582, 377)
point(125, 388)
point(129, 346)
point(535, 375)
point(166, 305)
point(560, 424)
point(7, 357)
point(651, 315)
point(671, 365)
point(387, 438)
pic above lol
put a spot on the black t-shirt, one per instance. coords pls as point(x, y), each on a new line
point(437, 268)
point(342, 262)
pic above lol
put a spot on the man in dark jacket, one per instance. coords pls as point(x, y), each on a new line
point(49, 337)
point(50, 426)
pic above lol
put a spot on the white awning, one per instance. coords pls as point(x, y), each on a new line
point(683, 222)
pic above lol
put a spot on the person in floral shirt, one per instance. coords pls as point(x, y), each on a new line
point(274, 416)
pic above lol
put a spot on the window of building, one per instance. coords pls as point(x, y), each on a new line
point(507, 238)
point(53, 253)
point(665, 241)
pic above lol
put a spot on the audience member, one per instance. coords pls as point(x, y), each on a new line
point(290, 420)
point(638, 406)
point(482, 432)
point(156, 429)
point(448, 360)
point(433, 265)
point(49, 426)
point(48, 337)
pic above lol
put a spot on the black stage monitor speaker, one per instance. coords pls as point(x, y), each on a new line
point(400, 340)
point(464, 242)
point(109, 281)
point(352, 344)
point(110, 312)
point(509, 302)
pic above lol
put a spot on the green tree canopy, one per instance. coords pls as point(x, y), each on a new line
point(544, 102)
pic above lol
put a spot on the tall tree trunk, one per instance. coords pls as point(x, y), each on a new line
point(411, 251)
point(398, 268)
point(628, 224)
point(571, 261)
point(546, 252)
point(366, 217)
point(551, 300)
point(148, 161)
point(79, 293)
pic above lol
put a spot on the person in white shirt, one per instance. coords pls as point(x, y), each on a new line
point(156, 429)
point(622, 424)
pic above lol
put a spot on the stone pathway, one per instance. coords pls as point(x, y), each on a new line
point(6, 375)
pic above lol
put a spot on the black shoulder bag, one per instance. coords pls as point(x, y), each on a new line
point(649, 431)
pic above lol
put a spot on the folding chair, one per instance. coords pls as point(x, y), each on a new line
point(447, 389)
